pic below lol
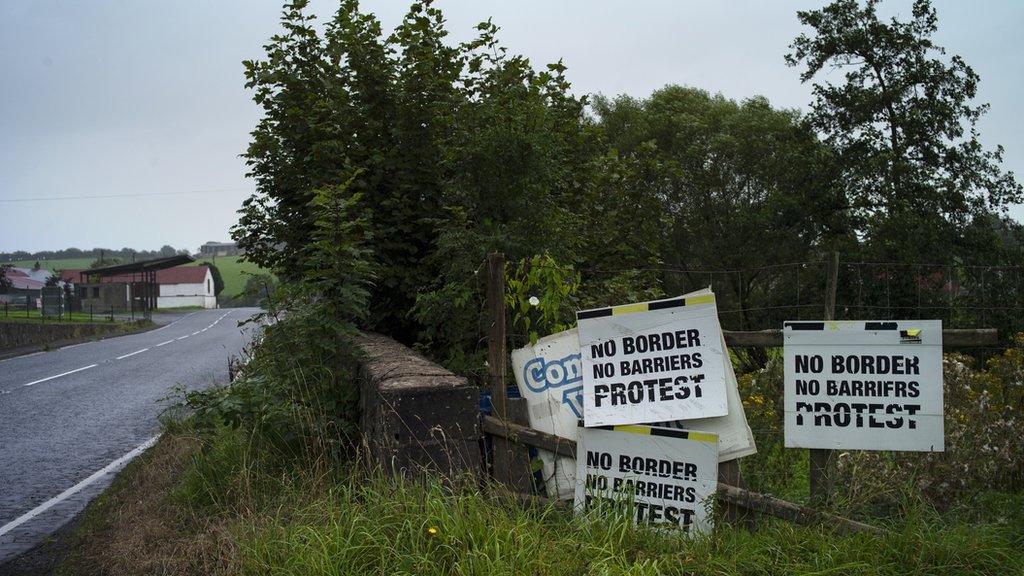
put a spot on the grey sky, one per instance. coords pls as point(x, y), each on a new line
point(121, 97)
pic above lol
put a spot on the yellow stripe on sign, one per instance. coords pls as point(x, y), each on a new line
point(703, 437)
point(705, 299)
point(632, 429)
point(629, 308)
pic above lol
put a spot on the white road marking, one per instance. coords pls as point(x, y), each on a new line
point(182, 337)
point(132, 354)
point(64, 374)
point(77, 487)
point(196, 332)
point(175, 322)
point(162, 343)
point(73, 345)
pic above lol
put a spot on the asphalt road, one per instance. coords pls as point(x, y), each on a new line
point(70, 418)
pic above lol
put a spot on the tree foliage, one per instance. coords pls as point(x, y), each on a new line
point(5, 282)
point(445, 152)
point(903, 124)
point(388, 165)
point(707, 183)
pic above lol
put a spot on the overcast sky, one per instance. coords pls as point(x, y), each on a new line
point(108, 98)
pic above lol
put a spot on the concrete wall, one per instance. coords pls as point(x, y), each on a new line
point(416, 415)
point(101, 297)
point(183, 301)
point(18, 334)
point(199, 289)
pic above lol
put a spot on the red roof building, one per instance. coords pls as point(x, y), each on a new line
point(181, 286)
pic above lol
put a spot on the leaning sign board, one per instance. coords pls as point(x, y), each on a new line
point(667, 476)
point(864, 385)
point(652, 362)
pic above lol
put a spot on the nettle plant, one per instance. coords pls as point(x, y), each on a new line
point(541, 295)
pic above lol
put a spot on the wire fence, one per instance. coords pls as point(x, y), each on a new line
point(765, 297)
point(21, 310)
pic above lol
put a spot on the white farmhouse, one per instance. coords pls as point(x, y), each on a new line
point(185, 286)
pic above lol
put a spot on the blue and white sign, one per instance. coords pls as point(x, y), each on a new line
point(549, 375)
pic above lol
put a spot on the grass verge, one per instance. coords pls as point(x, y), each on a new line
point(36, 317)
point(218, 505)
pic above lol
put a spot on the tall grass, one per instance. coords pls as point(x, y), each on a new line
point(358, 522)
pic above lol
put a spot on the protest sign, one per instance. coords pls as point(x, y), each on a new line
point(550, 378)
point(652, 362)
point(667, 476)
point(864, 385)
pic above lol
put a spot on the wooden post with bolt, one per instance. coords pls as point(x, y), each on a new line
point(822, 461)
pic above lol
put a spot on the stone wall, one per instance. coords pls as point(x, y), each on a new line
point(416, 415)
point(18, 334)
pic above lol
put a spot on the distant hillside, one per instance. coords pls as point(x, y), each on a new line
point(235, 273)
point(56, 264)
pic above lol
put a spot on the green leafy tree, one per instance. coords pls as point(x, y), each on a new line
point(446, 151)
point(711, 183)
point(5, 282)
point(258, 291)
point(340, 270)
point(903, 124)
point(292, 149)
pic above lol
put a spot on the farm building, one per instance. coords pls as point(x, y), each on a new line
point(26, 285)
point(213, 249)
point(179, 287)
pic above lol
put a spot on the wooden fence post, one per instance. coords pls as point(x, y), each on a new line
point(511, 460)
point(822, 462)
point(496, 333)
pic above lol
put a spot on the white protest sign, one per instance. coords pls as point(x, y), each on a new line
point(549, 375)
point(668, 476)
point(863, 385)
point(652, 362)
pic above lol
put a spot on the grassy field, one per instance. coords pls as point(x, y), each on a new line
point(59, 264)
point(234, 271)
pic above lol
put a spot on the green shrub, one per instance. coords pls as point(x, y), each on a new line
point(983, 452)
point(983, 435)
point(296, 395)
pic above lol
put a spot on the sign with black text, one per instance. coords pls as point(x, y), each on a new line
point(652, 362)
point(667, 476)
point(863, 385)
